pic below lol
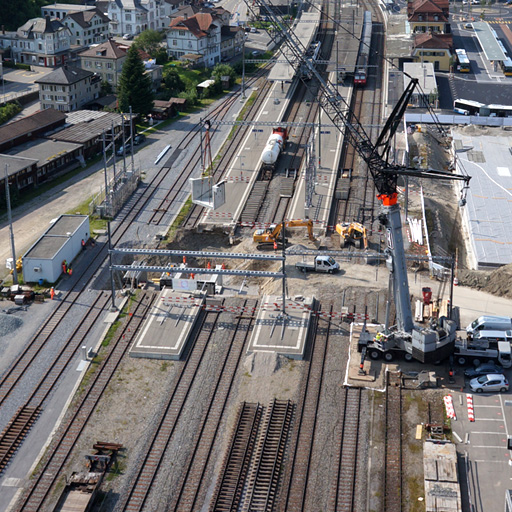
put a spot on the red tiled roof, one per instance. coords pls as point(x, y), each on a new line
point(444, 41)
point(427, 7)
point(198, 25)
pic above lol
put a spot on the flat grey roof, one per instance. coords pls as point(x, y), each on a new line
point(46, 247)
point(488, 212)
point(304, 30)
point(15, 164)
point(66, 225)
point(488, 42)
point(424, 72)
point(91, 127)
point(346, 43)
point(43, 150)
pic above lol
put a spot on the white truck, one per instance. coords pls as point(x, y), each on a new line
point(467, 351)
point(321, 264)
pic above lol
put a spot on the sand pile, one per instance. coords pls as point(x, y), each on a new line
point(498, 282)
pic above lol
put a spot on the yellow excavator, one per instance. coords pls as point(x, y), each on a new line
point(270, 237)
point(352, 232)
point(19, 265)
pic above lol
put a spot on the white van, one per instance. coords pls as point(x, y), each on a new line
point(489, 323)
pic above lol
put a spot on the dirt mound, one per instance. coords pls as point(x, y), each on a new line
point(498, 282)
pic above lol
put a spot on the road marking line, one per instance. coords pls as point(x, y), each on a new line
point(488, 419)
point(489, 446)
point(487, 433)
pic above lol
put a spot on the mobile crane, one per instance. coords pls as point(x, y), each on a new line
point(436, 342)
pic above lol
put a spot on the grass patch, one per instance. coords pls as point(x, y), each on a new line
point(110, 334)
point(117, 468)
point(165, 366)
point(243, 112)
point(95, 223)
point(178, 220)
point(416, 489)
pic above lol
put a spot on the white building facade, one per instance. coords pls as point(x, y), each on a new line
point(199, 35)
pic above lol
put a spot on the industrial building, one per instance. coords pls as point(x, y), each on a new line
point(61, 241)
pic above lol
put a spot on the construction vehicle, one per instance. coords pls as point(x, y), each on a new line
point(352, 233)
point(426, 344)
point(19, 265)
point(321, 264)
point(271, 237)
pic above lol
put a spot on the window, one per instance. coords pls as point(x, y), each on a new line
point(175, 43)
point(60, 98)
point(128, 16)
point(109, 65)
point(110, 77)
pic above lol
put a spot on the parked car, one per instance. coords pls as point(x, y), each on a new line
point(139, 139)
point(469, 26)
point(255, 53)
point(128, 37)
point(488, 383)
point(124, 150)
point(253, 30)
point(483, 369)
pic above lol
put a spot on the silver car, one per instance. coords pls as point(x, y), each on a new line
point(488, 383)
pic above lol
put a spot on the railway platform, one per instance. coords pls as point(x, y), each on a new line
point(244, 169)
point(167, 329)
point(283, 335)
point(330, 144)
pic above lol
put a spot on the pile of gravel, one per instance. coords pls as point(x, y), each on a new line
point(9, 323)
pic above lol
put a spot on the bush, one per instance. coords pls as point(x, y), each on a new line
point(221, 70)
point(190, 96)
point(8, 111)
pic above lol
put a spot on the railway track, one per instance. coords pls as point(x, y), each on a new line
point(296, 484)
point(181, 186)
point(232, 479)
point(188, 496)
point(50, 468)
point(263, 481)
point(392, 501)
point(344, 495)
point(14, 375)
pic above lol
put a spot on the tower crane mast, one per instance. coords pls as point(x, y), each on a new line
point(425, 344)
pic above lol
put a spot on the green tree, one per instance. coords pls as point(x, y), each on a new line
point(149, 41)
point(106, 88)
point(221, 70)
point(134, 86)
point(173, 82)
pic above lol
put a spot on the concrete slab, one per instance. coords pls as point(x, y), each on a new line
point(167, 329)
point(270, 334)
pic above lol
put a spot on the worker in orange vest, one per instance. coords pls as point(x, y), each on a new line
point(52, 293)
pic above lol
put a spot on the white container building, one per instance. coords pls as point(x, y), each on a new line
point(61, 241)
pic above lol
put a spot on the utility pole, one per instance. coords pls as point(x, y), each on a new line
point(243, 68)
point(131, 138)
point(105, 165)
point(9, 217)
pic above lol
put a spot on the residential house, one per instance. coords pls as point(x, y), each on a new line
point(198, 36)
point(429, 16)
point(106, 60)
point(231, 41)
point(60, 11)
point(434, 48)
point(68, 88)
point(87, 27)
point(135, 16)
point(42, 42)
point(168, 8)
